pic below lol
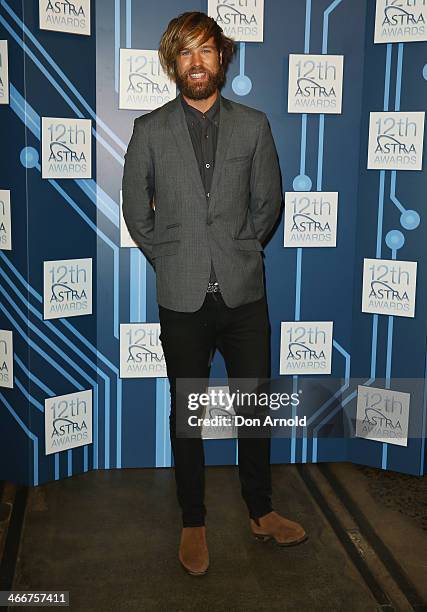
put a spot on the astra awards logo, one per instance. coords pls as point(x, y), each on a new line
point(382, 415)
point(68, 421)
point(67, 288)
point(396, 141)
point(126, 239)
point(310, 219)
point(4, 73)
point(71, 16)
point(400, 21)
point(389, 287)
point(143, 83)
point(141, 351)
point(306, 347)
point(66, 148)
point(5, 221)
point(6, 359)
point(242, 20)
point(315, 83)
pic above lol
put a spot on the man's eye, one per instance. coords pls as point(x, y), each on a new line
point(206, 50)
point(185, 52)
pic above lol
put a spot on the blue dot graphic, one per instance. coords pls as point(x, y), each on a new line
point(410, 219)
point(395, 239)
point(241, 85)
point(29, 157)
point(302, 182)
point(425, 71)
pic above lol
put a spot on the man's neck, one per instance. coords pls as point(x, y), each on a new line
point(202, 105)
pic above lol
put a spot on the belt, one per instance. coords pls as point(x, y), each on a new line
point(213, 287)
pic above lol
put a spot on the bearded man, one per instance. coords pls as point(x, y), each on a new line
point(211, 166)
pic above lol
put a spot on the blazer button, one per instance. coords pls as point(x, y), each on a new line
point(209, 222)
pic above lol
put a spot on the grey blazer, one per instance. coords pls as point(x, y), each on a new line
point(184, 230)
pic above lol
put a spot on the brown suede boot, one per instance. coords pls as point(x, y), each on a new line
point(282, 530)
point(193, 551)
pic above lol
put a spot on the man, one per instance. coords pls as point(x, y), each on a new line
point(211, 167)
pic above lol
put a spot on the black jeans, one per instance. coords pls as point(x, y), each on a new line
point(242, 335)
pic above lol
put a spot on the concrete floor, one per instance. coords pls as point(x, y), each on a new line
point(111, 539)
point(395, 506)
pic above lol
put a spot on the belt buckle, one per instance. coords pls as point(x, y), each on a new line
point(213, 287)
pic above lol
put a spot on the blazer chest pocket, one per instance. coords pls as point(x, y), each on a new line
point(237, 174)
point(237, 158)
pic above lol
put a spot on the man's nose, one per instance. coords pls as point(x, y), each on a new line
point(196, 58)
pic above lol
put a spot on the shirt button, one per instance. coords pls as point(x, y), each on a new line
point(208, 165)
point(206, 136)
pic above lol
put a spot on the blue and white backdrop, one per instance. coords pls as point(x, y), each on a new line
point(344, 84)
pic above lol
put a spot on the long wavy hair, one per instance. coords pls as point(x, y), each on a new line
point(190, 30)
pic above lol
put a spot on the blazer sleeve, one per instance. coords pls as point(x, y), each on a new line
point(138, 190)
point(265, 186)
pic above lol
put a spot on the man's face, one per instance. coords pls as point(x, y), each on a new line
point(199, 72)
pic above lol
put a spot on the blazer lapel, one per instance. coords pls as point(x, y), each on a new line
point(226, 126)
point(180, 131)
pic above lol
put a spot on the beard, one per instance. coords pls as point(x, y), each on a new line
point(202, 90)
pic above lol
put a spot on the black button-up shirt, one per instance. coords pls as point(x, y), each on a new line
point(203, 129)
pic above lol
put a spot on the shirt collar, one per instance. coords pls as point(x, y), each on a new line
point(212, 113)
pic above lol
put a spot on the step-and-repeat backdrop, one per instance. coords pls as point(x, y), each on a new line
point(82, 375)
